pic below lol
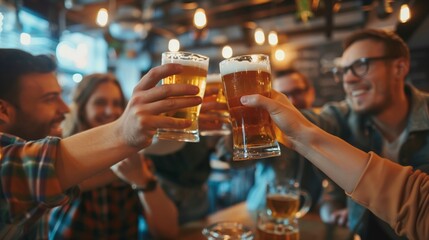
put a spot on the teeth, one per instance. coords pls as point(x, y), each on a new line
point(357, 92)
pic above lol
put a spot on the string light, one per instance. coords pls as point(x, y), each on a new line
point(272, 38)
point(280, 55)
point(404, 13)
point(102, 17)
point(173, 45)
point(227, 51)
point(259, 36)
point(200, 19)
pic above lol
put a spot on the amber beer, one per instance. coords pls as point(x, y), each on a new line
point(282, 205)
point(216, 122)
point(253, 134)
point(194, 72)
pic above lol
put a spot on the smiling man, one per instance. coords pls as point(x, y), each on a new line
point(41, 174)
point(381, 113)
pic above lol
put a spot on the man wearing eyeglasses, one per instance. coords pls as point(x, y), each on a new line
point(296, 87)
point(381, 113)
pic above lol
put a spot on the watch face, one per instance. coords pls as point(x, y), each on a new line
point(151, 185)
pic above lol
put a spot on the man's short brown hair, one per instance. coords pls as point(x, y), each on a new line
point(394, 46)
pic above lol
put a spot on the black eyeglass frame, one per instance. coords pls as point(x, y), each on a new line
point(339, 72)
point(297, 92)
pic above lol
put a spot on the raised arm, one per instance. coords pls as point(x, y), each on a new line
point(400, 197)
point(85, 154)
point(325, 151)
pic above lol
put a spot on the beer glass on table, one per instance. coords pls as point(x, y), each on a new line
point(252, 130)
point(215, 122)
point(270, 228)
point(194, 72)
point(283, 199)
point(228, 231)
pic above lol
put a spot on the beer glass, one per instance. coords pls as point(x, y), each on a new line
point(194, 72)
point(252, 130)
point(283, 199)
point(215, 122)
point(269, 228)
point(228, 231)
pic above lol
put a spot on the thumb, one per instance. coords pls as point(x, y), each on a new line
point(257, 100)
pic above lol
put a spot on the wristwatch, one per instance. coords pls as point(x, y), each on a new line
point(149, 187)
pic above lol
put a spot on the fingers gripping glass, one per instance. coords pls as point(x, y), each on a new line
point(359, 67)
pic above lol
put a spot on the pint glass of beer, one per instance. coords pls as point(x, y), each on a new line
point(194, 72)
point(252, 130)
point(283, 199)
point(215, 122)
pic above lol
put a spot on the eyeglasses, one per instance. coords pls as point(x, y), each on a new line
point(359, 67)
point(296, 92)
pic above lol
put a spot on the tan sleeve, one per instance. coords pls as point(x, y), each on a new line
point(395, 194)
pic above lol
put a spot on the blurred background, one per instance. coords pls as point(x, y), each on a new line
point(127, 37)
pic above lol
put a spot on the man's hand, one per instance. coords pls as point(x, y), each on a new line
point(210, 117)
point(338, 216)
point(142, 116)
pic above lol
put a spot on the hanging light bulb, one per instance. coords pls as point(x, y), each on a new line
point(200, 19)
point(404, 13)
point(272, 38)
point(102, 17)
point(173, 45)
point(227, 51)
point(280, 55)
point(259, 36)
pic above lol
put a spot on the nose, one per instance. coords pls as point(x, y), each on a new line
point(349, 77)
point(111, 110)
point(63, 107)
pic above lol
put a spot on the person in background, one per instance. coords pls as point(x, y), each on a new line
point(41, 174)
point(183, 175)
point(108, 207)
point(396, 194)
point(381, 113)
point(290, 165)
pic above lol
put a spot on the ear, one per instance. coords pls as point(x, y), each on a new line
point(402, 66)
point(5, 112)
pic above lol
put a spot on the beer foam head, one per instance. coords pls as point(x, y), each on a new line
point(213, 78)
point(186, 59)
point(233, 65)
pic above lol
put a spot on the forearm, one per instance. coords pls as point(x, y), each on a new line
point(99, 180)
point(160, 213)
point(88, 153)
point(339, 160)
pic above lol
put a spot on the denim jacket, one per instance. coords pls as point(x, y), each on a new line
point(358, 130)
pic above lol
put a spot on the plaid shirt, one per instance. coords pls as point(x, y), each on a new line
point(28, 185)
point(110, 212)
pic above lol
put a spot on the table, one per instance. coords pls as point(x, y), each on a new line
point(311, 227)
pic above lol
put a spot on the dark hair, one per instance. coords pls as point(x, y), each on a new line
point(290, 71)
point(394, 46)
point(76, 120)
point(14, 64)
